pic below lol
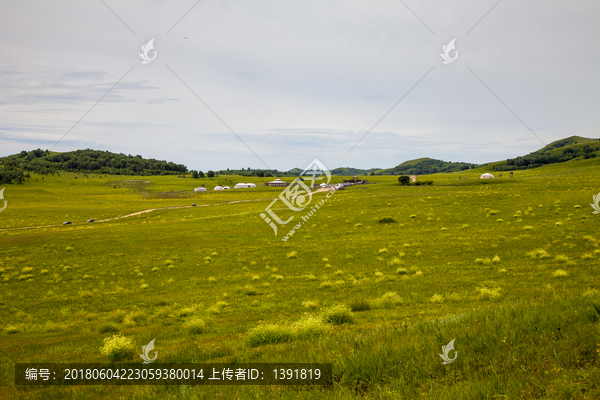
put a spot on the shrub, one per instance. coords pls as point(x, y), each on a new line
point(395, 261)
point(118, 348)
point(195, 326)
point(326, 285)
point(388, 300)
point(402, 271)
point(186, 312)
point(309, 326)
point(437, 298)
point(108, 327)
point(250, 290)
point(12, 329)
point(310, 304)
point(387, 220)
point(337, 315)
point(26, 270)
point(561, 258)
point(269, 334)
point(491, 294)
point(360, 305)
point(560, 273)
point(496, 259)
point(538, 254)
point(292, 254)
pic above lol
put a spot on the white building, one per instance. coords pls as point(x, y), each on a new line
point(244, 185)
point(200, 189)
point(277, 182)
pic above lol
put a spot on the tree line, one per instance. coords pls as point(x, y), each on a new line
point(88, 161)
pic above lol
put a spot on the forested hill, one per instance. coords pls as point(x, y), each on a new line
point(88, 161)
point(574, 147)
point(426, 166)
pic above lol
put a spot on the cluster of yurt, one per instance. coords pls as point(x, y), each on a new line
point(244, 185)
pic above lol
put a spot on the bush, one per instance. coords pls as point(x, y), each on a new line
point(404, 180)
point(12, 329)
point(360, 305)
point(388, 300)
point(309, 326)
point(195, 326)
point(269, 334)
point(310, 304)
point(108, 327)
point(118, 348)
point(387, 220)
point(338, 315)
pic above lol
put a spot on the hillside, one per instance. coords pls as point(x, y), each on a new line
point(563, 150)
point(87, 161)
point(426, 166)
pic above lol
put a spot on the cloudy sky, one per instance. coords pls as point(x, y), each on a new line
point(278, 83)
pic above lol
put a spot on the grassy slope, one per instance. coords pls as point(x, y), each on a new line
point(507, 334)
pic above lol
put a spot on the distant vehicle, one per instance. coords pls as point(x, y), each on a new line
point(67, 223)
point(193, 205)
point(90, 220)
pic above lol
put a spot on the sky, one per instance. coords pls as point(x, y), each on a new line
point(276, 84)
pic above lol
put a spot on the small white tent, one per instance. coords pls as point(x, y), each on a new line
point(486, 176)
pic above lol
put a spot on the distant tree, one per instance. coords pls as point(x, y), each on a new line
point(260, 173)
point(404, 180)
point(195, 174)
point(268, 174)
point(201, 174)
point(210, 174)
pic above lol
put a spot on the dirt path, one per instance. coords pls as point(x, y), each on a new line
point(148, 211)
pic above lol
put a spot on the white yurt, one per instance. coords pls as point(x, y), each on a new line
point(250, 185)
point(240, 185)
point(226, 188)
point(200, 189)
point(486, 176)
point(218, 187)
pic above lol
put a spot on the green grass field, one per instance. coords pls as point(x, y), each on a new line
point(507, 267)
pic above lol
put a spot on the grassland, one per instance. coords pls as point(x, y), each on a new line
point(508, 267)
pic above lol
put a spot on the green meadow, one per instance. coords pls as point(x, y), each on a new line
point(375, 282)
